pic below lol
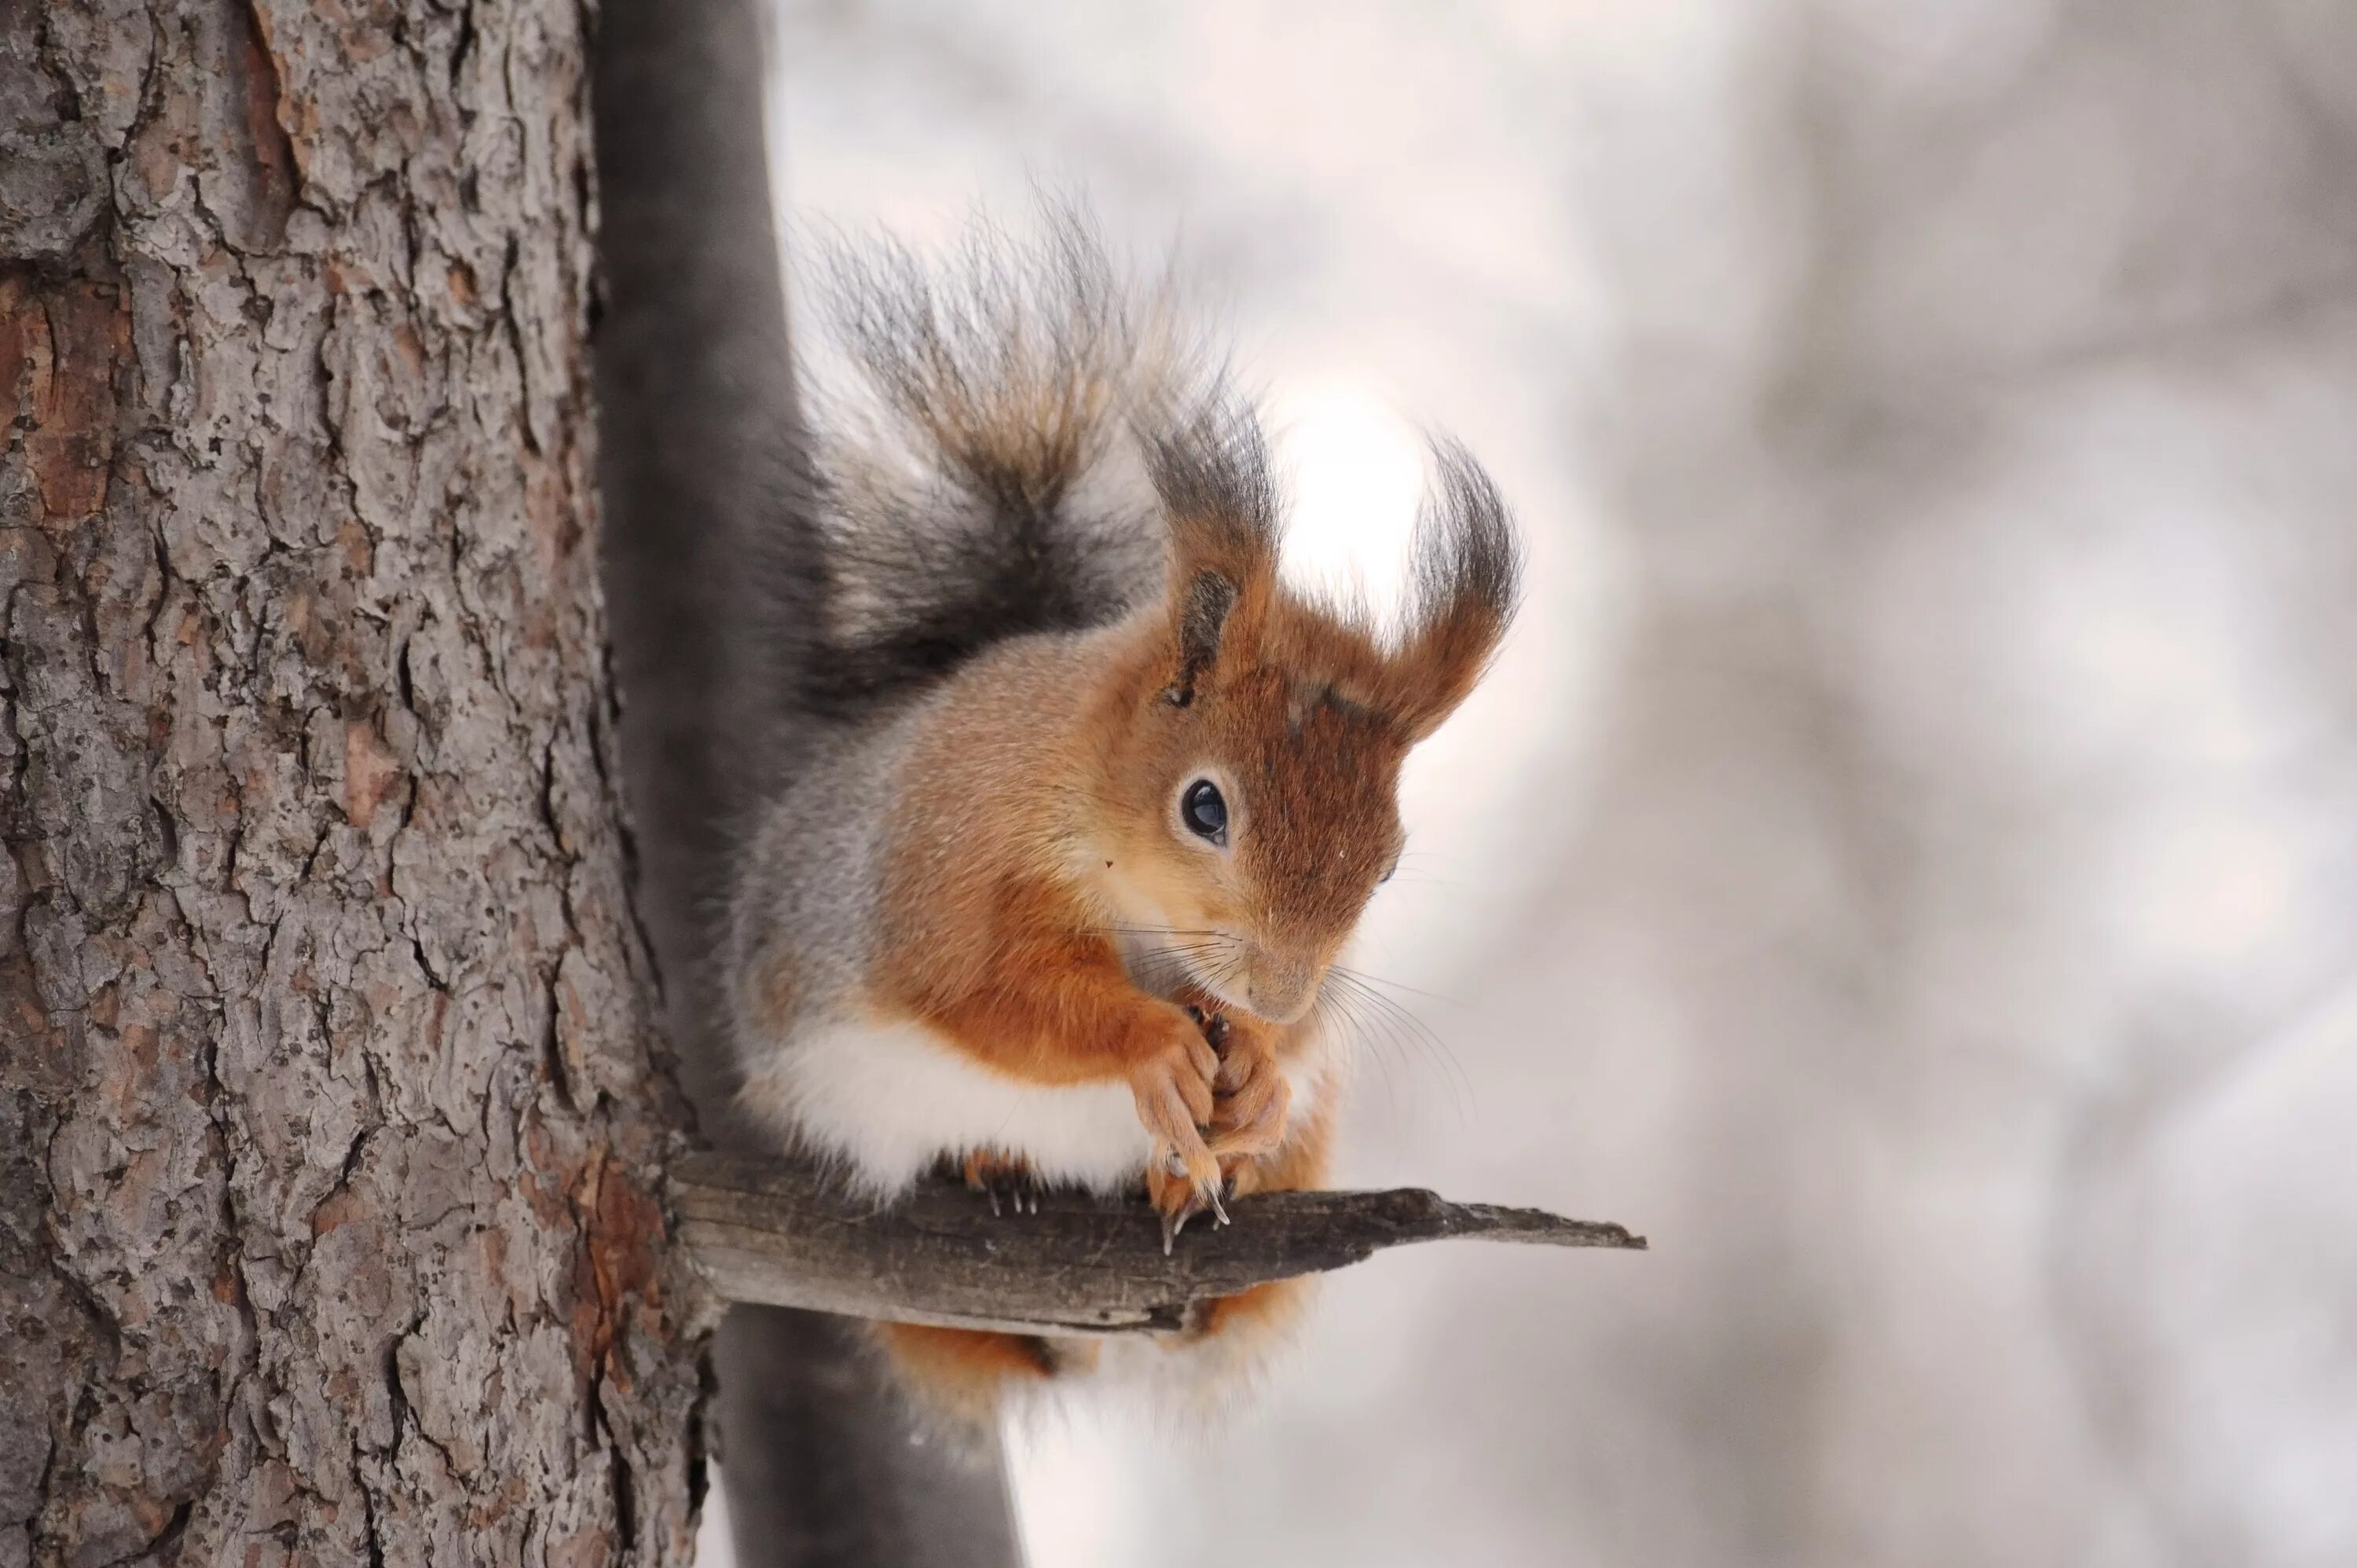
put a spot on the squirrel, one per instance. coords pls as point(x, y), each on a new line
point(1088, 800)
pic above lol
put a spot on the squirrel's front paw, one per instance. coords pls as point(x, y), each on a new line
point(1250, 1094)
point(1175, 1101)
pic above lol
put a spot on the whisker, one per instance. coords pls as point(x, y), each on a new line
point(1387, 1023)
point(1165, 967)
point(1415, 1027)
point(1337, 1013)
point(1171, 958)
point(1361, 976)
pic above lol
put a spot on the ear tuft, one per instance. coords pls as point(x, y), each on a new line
point(1210, 468)
point(1467, 575)
point(1466, 556)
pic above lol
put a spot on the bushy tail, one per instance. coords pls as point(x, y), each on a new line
point(975, 465)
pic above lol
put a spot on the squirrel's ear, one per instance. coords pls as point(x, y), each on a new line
point(1468, 574)
point(1218, 495)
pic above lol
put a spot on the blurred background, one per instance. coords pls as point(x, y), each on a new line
point(1906, 862)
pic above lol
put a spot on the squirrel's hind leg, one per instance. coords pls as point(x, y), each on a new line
point(968, 1374)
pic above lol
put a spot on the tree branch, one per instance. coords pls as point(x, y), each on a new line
point(776, 1232)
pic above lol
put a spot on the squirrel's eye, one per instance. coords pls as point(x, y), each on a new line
point(1205, 811)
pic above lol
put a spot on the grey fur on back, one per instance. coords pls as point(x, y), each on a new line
point(976, 470)
point(807, 884)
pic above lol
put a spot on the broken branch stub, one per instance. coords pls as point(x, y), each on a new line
point(777, 1232)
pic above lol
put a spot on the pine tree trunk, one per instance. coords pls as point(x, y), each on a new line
point(327, 1120)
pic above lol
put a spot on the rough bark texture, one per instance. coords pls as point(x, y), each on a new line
point(823, 1464)
point(779, 1231)
point(327, 1122)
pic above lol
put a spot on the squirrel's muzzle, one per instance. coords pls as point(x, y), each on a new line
point(1278, 990)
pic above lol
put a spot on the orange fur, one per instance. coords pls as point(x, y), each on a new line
point(1035, 825)
point(995, 927)
point(1029, 826)
point(987, 887)
point(966, 1372)
point(1049, 1001)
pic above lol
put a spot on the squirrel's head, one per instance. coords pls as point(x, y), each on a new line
point(1258, 756)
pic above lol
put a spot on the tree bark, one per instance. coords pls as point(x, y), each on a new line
point(825, 1466)
point(329, 1130)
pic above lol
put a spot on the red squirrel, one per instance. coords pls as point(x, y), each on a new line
point(1092, 800)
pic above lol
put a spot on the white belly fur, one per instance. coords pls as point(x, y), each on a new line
point(888, 1103)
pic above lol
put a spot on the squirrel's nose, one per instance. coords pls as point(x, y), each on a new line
point(1282, 993)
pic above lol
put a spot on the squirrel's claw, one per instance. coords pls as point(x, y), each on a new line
point(1197, 1201)
point(1007, 1180)
point(1179, 1191)
point(1019, 1196)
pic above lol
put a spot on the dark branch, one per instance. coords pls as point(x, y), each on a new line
point(775, 1233)
point(698, 431)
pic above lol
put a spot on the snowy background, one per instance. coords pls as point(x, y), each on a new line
point(1907, 861)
